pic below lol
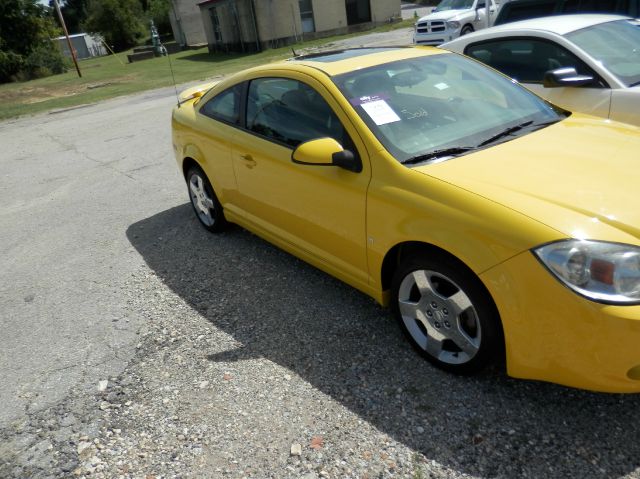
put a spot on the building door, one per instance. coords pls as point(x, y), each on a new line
point(226, 27)
point(306, 16)
point(358, 11)
point(215, 22)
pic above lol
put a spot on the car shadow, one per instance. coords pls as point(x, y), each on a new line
point(347, 346)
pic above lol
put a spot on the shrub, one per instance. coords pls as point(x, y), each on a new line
point(10, 64)
point(44, 61)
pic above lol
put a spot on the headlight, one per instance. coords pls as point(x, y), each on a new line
point(605, 272)
point(453, 25)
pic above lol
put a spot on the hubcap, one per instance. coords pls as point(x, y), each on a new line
point(201, 200)
point(439, 316)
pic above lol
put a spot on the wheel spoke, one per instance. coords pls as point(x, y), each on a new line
point(408, 308)
point(423, 282)
point(207, 203)
point(461, 339)
point(193, 187)
point(458, 303)
point(434, 341)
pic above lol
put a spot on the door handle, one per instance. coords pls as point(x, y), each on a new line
point(249, 161)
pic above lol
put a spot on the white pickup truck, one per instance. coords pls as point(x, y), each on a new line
point(451, 19)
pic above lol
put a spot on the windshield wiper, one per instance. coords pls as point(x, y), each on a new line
point(507, 132)
point(515, 128)
point(438, 154)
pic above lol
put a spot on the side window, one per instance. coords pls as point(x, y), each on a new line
point(526, 10)
point(526, 60)
point(571, 6)
point(291, 112)
point(224, 106)
point(600, 6)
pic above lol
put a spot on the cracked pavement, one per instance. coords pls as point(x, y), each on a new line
point(71, 182)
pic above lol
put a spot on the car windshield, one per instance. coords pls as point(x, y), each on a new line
point(441, 103)
point(453, 5)
point(616, 45)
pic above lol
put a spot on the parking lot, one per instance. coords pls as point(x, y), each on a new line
point(135, 344)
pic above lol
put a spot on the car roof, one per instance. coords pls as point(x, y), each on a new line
point(343, 61)
point(559, 24)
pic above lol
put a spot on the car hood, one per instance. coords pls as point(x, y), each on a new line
point(444, 15)
point(580, 176)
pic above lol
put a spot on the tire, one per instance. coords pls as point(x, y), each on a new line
point(204, 201)
point(446, 314)
point(466, 29)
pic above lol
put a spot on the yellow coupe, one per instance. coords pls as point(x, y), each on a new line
point(494, 224)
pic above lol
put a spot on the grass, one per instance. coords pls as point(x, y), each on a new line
point(111, 76)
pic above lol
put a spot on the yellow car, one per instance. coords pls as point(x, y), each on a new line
point(494, 224)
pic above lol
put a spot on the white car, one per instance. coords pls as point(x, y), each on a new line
point(585, 63)
point(451, 19)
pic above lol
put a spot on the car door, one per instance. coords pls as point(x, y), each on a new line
point(317, 212)
point(480, 21)
point(527, 59)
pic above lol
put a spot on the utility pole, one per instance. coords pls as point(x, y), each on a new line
point(66, 34)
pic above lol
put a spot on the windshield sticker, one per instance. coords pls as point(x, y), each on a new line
point(441, 86)
point(368, 99)
point(380, 112)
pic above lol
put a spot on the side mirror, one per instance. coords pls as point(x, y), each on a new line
point(326, 152)
point(565, 77)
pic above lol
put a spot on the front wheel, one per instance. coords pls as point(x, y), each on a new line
point(204, 201)
point(466, 29)
point(447, 314)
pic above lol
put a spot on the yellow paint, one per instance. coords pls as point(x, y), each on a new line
point(478, 207)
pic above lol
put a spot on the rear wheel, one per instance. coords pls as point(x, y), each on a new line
point(204, 201)
point(446, 314)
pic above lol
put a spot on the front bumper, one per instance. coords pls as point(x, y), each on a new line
point(552, 334)
point(434, 38)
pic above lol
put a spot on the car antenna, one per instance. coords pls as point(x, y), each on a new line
point(163, 50)
point(294, 52)
point(173, 76)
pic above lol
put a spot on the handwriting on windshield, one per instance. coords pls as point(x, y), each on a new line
point(410, 115)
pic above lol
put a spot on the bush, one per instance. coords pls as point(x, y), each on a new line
point(10, 64)
point(44, 61)
point(26, 49)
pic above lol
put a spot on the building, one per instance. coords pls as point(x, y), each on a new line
point(253, 25)
point(85, 45)
point(186, 23)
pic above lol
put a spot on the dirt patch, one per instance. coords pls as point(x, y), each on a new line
point(36, 94)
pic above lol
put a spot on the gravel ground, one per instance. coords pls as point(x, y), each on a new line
point(254, 364)
point(238, 359)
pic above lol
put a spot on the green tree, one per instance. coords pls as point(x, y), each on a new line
point(74, 12)
point(120, 22)
point(26, 49)
point(159, 13)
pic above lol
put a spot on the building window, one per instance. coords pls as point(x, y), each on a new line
point(306, 16)
point(358, 11)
